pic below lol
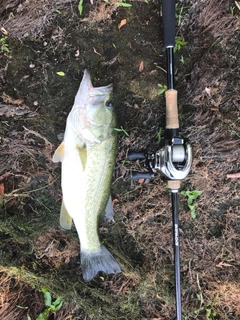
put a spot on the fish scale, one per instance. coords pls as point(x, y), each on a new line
point(97, 185)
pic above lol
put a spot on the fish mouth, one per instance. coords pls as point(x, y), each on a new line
point(99, 95)
point(96, 95)
point(89, 94)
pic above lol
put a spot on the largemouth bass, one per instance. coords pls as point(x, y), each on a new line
point(87, 154)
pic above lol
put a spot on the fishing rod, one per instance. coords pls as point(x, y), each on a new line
point(174, 157)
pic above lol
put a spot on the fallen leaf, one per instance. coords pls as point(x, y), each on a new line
point(4, 31)
point(115, 201)
point(208, 91)
point(8, 99)
point(141, 181)
point(95, 51)
point(61, 73)
point(233, 175)
point(1, 188)
point(237, 4)
point(5, 175)
point(141, 66)
point(223, 264)
point(25, 77)
point(122, 23)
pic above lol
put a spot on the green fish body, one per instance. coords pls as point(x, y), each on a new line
point(87, 154)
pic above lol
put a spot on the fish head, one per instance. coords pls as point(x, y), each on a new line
point(93, 115)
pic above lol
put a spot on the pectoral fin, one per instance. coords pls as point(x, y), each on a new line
point(65, 218)
point(83, 155)
point(59, 153)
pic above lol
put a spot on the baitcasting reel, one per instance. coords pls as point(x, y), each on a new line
point(173, 160)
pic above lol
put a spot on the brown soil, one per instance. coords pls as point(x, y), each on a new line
point(34, 252)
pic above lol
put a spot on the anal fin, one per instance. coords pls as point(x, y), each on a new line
point(65, 218)
point(109, 212)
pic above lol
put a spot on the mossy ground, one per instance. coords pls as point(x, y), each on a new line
point(34, 252)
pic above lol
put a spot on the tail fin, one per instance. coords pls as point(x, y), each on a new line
point(99, 260)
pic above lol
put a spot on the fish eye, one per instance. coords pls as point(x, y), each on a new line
point(109, 104)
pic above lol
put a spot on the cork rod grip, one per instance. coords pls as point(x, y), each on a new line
point(172, 121)
point(174, 184)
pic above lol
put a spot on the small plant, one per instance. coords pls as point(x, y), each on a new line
point(192, 195)
point(232, 8)
point(234, 131)
point(4, 44)
point(162, 87)
point(121, 130)
point(206, 306)
point(159, 135)
point(51, 305)
point(6, 123)
point(182, 60)
point(179, 43)
point(179, 12)
point(210, 313)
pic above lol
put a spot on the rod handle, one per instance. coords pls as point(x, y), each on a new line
point(168, 15)
point(172, 121)
point(174, 184)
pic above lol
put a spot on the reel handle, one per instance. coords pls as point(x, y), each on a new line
point(137, 155)
point(142, 175)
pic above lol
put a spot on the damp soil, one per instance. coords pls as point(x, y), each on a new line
point(123, 46)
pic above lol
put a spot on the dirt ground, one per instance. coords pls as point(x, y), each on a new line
point(123, 46)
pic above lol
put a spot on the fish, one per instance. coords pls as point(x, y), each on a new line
point(87, 155)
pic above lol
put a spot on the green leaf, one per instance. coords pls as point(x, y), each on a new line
point(123, 4)
point(162, 87)
point(3, 39)
point(208, 313)
point(197, 193)
point(80, 7)
point(43, 315)
point(28, 317)
point(199, 297)
point(192, 209)
point(47, 299)
point(57, 304)
point(61, 73)
point(122, 130)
